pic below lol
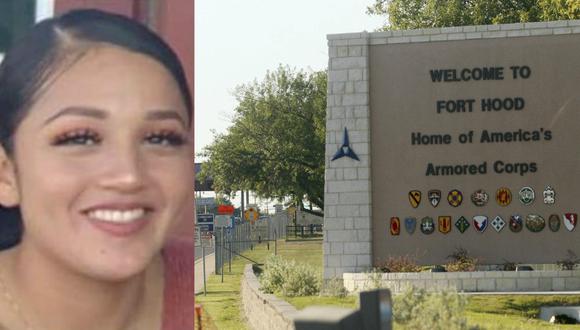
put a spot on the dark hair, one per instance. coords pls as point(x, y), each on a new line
point(50, 47)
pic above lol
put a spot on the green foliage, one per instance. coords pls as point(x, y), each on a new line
point(508, 266)
point(461, 261)
point(418, 309)
point(275, 146)
point(288, 278)
point(401, 264)
point(570, 262)
point(374, 279)
point(333, 287)
point(417, 14)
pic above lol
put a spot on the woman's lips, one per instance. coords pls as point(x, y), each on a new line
point(120, 221)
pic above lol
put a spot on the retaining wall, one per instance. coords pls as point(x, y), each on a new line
point(264, 311)
point(489, 281)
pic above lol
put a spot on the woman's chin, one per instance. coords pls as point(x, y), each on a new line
point(117, 270)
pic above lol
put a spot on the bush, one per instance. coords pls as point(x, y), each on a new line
point(273, 274)
point(417, 309)
point(288, 278)
point(461, 261)
point(507, 266)
point(374, 279)
point(333, 288)
point(401, 264)
point(570, 262)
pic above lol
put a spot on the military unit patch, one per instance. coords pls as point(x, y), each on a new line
point(516, 223)
point(415, 198)
point(479, 197)
point(444, 224)
point(410, 224)
point(427, 225)
point(503, 196)
point(395, 226)
point(535, 223)
point(480, 223)
point(570, 221)
point(498, 223)
point(462, 224)
point(455, 198)
point(527, 195)
point(434, 197)
point(554, 222)
point(549, 196)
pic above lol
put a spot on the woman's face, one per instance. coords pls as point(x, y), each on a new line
point(104, 164)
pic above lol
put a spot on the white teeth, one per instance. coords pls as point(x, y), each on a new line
point(116, 216)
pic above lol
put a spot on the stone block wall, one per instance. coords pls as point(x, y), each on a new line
point(264, 311)
point(347, 211)
point(488, 281)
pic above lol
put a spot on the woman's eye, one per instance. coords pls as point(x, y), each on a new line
point(80, 138)
point(169, 139)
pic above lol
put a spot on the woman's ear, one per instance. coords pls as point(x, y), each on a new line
point(9, 193)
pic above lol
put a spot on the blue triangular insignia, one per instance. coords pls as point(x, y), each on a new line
point(345, 150)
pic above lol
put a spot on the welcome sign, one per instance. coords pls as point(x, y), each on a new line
point(475, 144)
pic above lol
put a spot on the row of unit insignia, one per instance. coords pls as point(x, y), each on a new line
point(503, 197)
point(534, 222)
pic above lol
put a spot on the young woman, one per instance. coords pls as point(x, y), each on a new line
point(95, 169)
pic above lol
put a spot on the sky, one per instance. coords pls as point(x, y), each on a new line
point(238, 41)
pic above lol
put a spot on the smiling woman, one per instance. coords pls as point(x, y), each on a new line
point(95, 161)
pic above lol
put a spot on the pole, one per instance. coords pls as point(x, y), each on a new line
point(222, 252)
point(243, 206)
point(203, 261)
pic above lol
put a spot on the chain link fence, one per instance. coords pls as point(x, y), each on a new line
point(231, 242)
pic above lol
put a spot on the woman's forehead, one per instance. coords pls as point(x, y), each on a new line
point(111, 78)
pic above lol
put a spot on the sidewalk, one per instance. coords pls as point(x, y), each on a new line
point(209, 269)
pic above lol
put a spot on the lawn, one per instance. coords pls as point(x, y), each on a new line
point(223, 305)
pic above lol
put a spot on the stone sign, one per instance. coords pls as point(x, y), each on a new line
point(467, 138)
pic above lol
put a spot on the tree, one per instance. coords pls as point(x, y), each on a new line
point(417, 14)
point(276, 144)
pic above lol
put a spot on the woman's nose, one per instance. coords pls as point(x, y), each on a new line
point(124, 171)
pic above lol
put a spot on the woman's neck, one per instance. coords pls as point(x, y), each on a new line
point(51, 296)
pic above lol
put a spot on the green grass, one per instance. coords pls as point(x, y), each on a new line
point(302, 302)
point(515, 311)
point(487, 312)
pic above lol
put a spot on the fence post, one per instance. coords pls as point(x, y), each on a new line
point(222, 252)
point(216, 245)
point(203, 261)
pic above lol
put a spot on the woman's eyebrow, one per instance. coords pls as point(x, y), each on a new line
point(165, 115)
point(78, 111)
